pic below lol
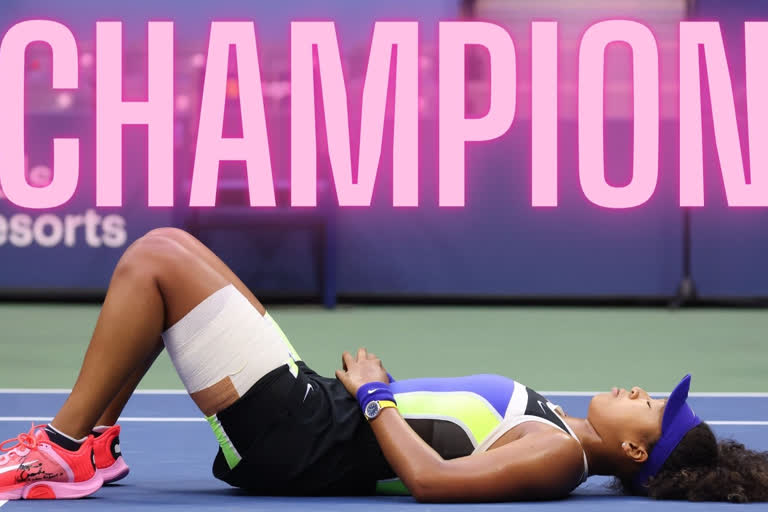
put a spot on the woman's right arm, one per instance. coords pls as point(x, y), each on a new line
point(540, 465)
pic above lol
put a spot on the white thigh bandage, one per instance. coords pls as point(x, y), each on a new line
point(225, 336)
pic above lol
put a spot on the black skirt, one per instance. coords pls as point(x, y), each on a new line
point(302, 435)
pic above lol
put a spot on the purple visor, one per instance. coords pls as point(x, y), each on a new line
point(678, 419)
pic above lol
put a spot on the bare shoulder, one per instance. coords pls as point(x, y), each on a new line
point(560, 464)
point(551, 436)
point(556, 465)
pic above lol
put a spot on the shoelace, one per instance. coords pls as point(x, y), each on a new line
point(25, 440)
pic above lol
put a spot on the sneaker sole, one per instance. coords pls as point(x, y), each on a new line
point(117, 471)
point(55, 490)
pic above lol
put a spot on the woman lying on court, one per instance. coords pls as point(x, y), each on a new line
point(283, 429)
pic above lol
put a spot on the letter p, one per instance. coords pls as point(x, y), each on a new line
point(455, 128)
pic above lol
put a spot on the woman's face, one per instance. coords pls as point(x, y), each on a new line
point(627, 419)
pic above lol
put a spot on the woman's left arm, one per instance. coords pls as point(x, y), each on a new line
point(538, 465)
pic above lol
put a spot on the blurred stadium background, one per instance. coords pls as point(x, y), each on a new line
point(498, 249)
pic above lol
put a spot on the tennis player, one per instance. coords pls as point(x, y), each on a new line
point(283, 429)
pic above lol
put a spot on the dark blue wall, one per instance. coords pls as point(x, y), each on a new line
point(730, 245)
point(497, 246)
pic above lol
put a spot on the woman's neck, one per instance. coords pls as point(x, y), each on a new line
point(592, 444)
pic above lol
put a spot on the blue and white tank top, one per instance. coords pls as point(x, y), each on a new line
point(460, 416)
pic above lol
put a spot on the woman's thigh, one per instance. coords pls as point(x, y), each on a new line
point(198, 249)
point(219, 342)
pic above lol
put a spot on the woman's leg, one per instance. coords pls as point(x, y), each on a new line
point(198, 249)
point(155, 284)
point(110, 416)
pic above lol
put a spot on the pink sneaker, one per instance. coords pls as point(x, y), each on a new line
point(109, 461)
point(36, 468)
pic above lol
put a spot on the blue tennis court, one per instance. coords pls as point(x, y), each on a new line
point(170, 448)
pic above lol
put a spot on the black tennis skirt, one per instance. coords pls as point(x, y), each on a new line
point(302, 435)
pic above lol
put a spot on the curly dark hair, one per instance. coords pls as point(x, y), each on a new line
point(703, 469)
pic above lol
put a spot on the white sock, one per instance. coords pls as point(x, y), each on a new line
point(101, 428)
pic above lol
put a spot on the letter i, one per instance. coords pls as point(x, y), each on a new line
point(544, 113)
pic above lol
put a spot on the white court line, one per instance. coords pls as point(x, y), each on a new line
point(129, 419)
point(149, 419)
point(63, 391)
point(724, 394)
point(741, 423)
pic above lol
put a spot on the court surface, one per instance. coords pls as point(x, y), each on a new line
point(170, 448)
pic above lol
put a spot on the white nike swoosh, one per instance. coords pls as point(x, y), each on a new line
point(16, 468)
point(542, 406)
point(372, 390)
point(309, 388)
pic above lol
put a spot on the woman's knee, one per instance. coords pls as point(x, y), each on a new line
point(149, 256)
point(170, 233)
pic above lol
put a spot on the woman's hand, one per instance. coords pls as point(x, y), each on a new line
point(359, 370)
